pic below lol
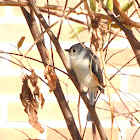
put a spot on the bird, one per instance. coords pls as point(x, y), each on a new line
point(86, 66)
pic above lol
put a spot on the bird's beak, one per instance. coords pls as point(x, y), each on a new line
point(68, 50)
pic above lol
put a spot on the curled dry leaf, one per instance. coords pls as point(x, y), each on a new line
point(36, 91)
point(41, 98)
point(26, 96)
point(33, 120)
point(33, 78)
point(98, 36)
point(51, 77)
point(30, 101)
point(38, 94)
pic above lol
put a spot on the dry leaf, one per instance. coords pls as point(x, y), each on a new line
point(21, 41)
point(26, 95)
point(33, 78)
point(41, 98)
point(30, 102)
point(51, 77)
point(37, 93)
point(33, 120)
point(52, 82)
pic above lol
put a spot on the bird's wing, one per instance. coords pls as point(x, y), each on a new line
point(96, 68)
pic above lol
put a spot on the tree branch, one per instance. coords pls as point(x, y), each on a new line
point(58, 14)
point(68, 9)
point(68, 68)
point(135, 44)
point(124, 16)
point(58, 91)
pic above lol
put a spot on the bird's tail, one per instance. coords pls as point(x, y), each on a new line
point(91, 94)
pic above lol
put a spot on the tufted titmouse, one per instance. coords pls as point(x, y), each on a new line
point(86, 66)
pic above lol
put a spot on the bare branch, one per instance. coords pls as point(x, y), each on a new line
point(135, 133)
point(58, 14)
point(68, 9)
point(58, 91)
point(67, 66)
point(58, 132)
point(135, 44)
point(124, 16)
point(123, 67)
point(22, 67)
point(36, 61)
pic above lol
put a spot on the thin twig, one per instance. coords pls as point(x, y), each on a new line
point(79, 120)
point(119, 129)
point(23, 133)
point(57, 132)
point(84, 130)
point(61, 8)
point(115, 54)
point(136, 8)
point(58, 91)
point(135, 133)
point(58, 14)
point(67, 66)
point(122, 67)
point(22, 67)
point(137, 3)
point(126, 94)
point(61, 23)
point(36, 61)
point(110, 40)
point(124, 104)
point(124, 16)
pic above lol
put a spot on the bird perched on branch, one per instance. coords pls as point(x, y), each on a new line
point(87, 68)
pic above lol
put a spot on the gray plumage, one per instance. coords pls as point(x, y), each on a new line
point(87, 68)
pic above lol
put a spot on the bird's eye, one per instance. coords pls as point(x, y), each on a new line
point(74, 50)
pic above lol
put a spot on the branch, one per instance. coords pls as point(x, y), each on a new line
point(53, 7)
point(122, 67)
point(68, 68)
point(22, 67)
point(135, 44)
point(124, 16)
point(58, 91)
point(58, 132)
point(58, 14)
point(31, 58)
point(68, 9)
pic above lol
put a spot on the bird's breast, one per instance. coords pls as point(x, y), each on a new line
point(84, 74)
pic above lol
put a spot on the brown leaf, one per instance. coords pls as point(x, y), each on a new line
point(21, 41)
point(41, 98)
point(33, 120)
point(39, 95)
point(33, 78)
point(26, 95)
point(51, 77)
point(35, 105)
point(52, 82)
point(36, 91)
point(30, 102)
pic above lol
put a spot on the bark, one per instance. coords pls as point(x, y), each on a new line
point(135, 44)
point(68, 68)
point(58, 91)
